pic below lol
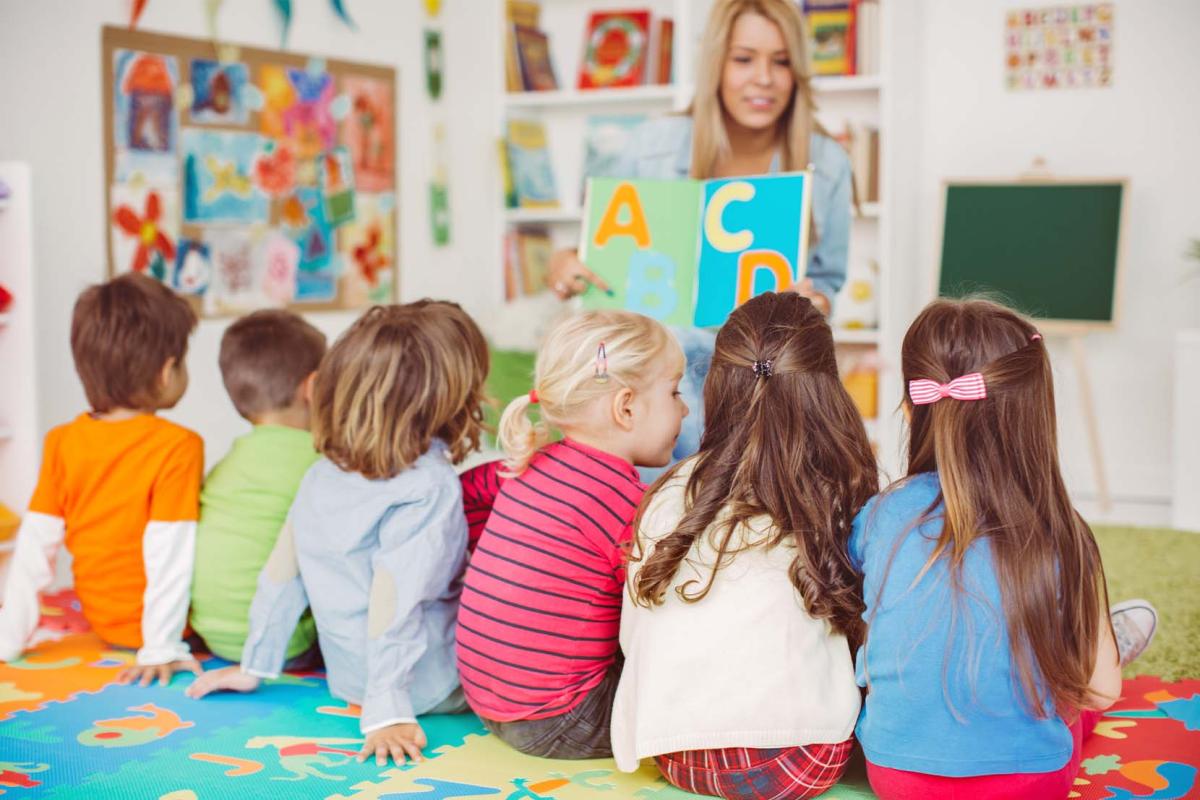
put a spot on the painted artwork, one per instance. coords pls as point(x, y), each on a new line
point(298, 109)
point(219, 92)
point(218, 177)
point(145, 121)
point(145, 229)
point(689, 252)
point(368, 133)
point(1059, 47)
point(256, 179)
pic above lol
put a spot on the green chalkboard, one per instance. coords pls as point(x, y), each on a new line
point(1048, 249)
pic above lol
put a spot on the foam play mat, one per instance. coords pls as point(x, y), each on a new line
point(68, 730)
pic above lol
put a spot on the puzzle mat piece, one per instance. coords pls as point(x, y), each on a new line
point(496, 770)
point(285, 755)
point(57, 671)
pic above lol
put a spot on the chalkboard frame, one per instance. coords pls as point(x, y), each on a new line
point(1048, 325)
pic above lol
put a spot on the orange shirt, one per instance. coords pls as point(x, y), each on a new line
point(107, 481)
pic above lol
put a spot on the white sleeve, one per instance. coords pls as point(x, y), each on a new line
point(168, 554)
point(30, 573)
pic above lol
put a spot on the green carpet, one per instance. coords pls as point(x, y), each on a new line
point(1161, 566)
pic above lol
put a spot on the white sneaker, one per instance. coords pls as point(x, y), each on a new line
point(1134, 623)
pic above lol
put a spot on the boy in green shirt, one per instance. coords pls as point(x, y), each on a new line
point(268, 362)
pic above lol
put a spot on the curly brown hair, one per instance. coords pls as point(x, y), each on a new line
point(789, 445)
point(401, 376)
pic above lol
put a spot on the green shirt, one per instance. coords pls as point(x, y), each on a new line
point(243, 505)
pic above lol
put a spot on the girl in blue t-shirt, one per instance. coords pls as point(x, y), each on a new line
point(989, 649)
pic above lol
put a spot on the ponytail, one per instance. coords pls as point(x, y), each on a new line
point(520, 437)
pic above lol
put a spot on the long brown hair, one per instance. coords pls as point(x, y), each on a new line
point(997, 460)
point(790, 446)
point(401, 376)
point(797, 122)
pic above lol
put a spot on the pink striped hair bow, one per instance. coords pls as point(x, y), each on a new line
point(967, 387)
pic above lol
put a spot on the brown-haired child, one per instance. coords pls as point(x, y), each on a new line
point(268, 362)
point(118, 484)
point(376, 540)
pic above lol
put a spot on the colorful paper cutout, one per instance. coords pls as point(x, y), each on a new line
point(193, 267)
point(282, 256)
point(275, 170)
point(296, 109)
point(368, 250)
point(145, 122)
point(368, 132)
point(217, 171)
point(337, 184)
point(145, 229)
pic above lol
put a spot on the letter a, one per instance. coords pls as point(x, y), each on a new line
point(625, 196)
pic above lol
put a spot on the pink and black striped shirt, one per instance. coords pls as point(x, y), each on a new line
point(541, 601)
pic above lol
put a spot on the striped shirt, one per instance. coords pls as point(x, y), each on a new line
point(541, 604)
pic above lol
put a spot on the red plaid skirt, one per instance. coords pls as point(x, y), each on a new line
point(739, 773)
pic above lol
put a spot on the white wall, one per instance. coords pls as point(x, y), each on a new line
point(51, 118)
point(1147, 128)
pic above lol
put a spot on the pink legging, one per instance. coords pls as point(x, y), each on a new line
point(895, 784)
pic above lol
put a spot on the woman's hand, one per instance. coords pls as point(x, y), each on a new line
point(230, 679)
point(805, 289)
point(398, 741)
point(568, 276)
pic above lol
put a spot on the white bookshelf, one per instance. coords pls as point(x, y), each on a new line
point(855, 99)
point(19, 445)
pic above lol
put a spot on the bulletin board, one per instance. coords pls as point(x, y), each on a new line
point(1050, 248)
point(246, 178)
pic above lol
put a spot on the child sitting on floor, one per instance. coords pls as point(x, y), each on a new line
point(268, 362)
point(989, 650)
point(376, 540)
point(118, 484)
point(537, 631)
point(738, 675)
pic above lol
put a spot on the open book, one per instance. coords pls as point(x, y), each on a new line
point(688, 252)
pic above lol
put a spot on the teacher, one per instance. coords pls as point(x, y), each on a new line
point(753, 114)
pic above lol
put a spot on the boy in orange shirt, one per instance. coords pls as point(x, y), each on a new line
point(118, 484)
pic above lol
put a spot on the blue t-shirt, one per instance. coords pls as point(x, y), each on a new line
point(945, 697)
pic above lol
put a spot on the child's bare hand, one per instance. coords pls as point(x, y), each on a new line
point(145, 674)
point(229, 679)
point(398, 741)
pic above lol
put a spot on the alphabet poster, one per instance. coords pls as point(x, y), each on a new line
point(249, 178)
point(689, 252)
point(1060, 47)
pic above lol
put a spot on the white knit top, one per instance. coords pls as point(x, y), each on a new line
point(746, 666)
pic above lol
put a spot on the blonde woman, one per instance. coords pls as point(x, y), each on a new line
point(753, 114)
point(541, 603)
point(376, 541)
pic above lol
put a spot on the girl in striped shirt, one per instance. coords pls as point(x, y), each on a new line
point(537, 630)
point(742, 602)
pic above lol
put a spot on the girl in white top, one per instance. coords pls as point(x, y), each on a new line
point(742, 604)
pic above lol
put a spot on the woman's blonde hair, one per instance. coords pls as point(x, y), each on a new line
point(565, 378)
point(710, 142)
point(401, 376)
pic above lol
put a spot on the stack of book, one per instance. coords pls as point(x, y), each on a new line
point(862, 144)
point(527, 251)
point(528, 67)
point(843, 36)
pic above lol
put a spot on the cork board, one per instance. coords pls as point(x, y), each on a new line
point(249, 178)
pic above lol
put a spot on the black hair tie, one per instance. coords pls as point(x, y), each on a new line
point(763, 369)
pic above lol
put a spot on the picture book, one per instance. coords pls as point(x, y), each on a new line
point(529, 160)
point(666, 52)
point(615, 49)
point(688, 252)
point(832, 37)
point(606, 138)
point(534, 249)
point(526, 14)
point(533, 56)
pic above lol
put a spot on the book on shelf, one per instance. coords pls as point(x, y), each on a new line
point(606, 139)
point(866, 49)
point(615, 49)
point(517, 14)
point(831, 36)
point(687, 252)
point(511, 283)
point(534, 249)
point(506, 177)
point(529, 161)
point(533, 60)
point(662, 51)
point(861, 142)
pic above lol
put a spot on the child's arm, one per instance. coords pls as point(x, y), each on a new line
point(278, 602)
point(422, 553)
point(1106, 676)
point(168, 556)
point(30, 573)
point(31, 570)
point(480, 487)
